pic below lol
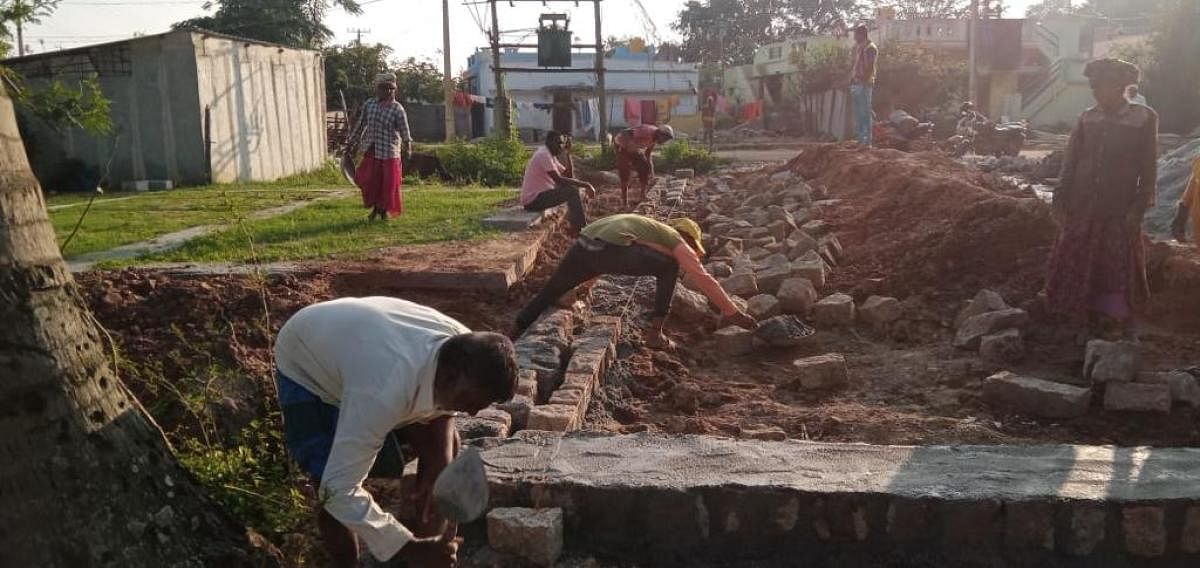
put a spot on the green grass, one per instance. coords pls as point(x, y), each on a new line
point(339, 227)
point(113, 222)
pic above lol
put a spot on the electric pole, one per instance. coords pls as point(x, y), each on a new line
point(447, 81)
point(358, 32)
point(20, 30)
point(972, 41)
point(602, 94)
point(503, 127)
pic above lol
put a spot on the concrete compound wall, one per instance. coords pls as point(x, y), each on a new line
point(267, 108)
point(151, 85)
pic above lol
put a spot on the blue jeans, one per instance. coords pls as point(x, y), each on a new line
point(860, 98)
point(309, 426)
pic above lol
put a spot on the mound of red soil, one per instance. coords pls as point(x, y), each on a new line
point(926, 223)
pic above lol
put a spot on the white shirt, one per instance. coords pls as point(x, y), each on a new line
point(375, 359)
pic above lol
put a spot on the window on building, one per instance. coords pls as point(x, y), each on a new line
point(775, 53)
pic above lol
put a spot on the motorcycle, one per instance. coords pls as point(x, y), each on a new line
point(976, 133)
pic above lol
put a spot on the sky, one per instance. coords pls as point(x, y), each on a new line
point(413, 28)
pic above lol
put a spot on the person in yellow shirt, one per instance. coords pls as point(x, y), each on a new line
point(636, 245)
point(1189, 206)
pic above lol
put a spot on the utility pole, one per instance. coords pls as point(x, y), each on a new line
point(447, 81)
point(359, 33)
point(501, 103)
point(972, 41)
point(20, 30)
point(601, 92)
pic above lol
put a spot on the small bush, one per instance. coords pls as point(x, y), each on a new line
point(251, 477)
point(493, 162)
point(602, 159)
point(681, 154)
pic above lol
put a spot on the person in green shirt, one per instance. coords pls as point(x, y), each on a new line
point(636, 245)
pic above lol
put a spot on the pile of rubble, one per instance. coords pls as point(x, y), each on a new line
point(1112, 369)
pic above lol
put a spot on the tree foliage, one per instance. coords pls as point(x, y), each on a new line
point(295, 23)
point(927, 9)
point(1170, 72)
point(24, 12)
point(911, 77)
point(728, 31)
point(63, 107)
point(351, 70)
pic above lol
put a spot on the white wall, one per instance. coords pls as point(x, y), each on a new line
point(267, 108)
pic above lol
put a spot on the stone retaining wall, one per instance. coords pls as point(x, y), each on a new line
point(704, 501)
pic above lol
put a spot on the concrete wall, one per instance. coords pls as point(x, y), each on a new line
point(151, 84)
point(267, 108)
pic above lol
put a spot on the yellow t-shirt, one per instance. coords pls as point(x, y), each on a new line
point(625, 228)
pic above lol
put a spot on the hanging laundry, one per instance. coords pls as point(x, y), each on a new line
point(751, 111)
point(723, 106)
point(633, 112)
point(649, 112)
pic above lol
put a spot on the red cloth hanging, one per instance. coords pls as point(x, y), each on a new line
point(633, 112)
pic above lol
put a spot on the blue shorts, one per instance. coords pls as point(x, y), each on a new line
point(309, 425)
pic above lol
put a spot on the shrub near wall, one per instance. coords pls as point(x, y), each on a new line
point(493, 162)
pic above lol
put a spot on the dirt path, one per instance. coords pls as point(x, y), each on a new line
point(171, 241)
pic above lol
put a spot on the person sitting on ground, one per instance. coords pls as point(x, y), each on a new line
point(635, 245)
point(359, 377)
point(1189, 206)
point(635, 152)
point(1097, 269)
point(549, 182)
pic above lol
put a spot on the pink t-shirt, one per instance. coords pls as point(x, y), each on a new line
point(537, 174)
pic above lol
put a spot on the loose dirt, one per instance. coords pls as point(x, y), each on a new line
point(931, 232)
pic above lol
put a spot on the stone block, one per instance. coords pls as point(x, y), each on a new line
point(908, 520)
point(1029, 525)
point(1004, 347)
point(834, 311)
point(771, 278)
point(821, 372)
point(985, 301)
point(552, 417)
point(796, 296)
point(974, 328)
point(1110, 361)
point(1036, 397)
point(1085, 528)
point(758, 253)
point(800, 244)
point(1145, 531)
point(734, 340)
point(812, 270)
point(518, 408)
point(783, 331)
point(745, 285)
point(1189, 539)
point(689, 306)
point(780, 229)
point(1138, 397)
point(527, 383)
point(816, 228)
point(763, 306)
point(1185, 389)
point(971, 523)
point(880, 310)
point(573, 397)
point(495, 415)
point(533, 534)
point(471, 427)
point(719, 269)
point(685, 173)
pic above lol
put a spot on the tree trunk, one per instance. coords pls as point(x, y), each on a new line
point(86, 477)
